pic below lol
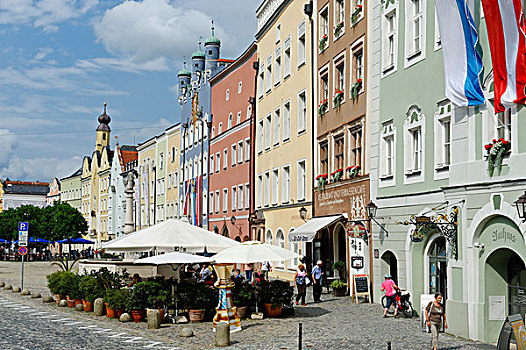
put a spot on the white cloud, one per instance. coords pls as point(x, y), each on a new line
point(42, 169)
point(45, 14)
point(125, 64)
point(42, 53)
point(8, 142)
point(150, 29)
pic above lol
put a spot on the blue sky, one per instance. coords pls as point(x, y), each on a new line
point(60, 60)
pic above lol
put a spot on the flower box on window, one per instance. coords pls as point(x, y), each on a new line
point(495, 154)
point(338, 29)
point(323, 42)
point(337, 175)
point(322, 107)
point(355, 89)
point(338, 98)
point(356, 14)
point(353, 171)
point(322, 181)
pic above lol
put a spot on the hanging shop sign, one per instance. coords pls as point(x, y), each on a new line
point(356, 230)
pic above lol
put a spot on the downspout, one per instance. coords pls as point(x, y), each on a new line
point(252, 168)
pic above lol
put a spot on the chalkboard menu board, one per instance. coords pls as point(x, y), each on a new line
point(361, 286)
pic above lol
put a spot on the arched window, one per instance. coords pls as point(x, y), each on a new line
point(280, 242)
point(268, 237)
point(229, 120)
point(438, 267)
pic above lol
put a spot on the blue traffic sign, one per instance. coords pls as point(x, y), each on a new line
point(22, 250)
point(23, 226)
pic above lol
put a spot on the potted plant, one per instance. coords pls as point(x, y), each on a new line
point(340, 267)
point(353, 171)
point(339, 287)
point(337, 175)
point(323, 42)
point(242, 296)
point(56, 285)
point(90, 289)
point(158, 296)
point(116, 301)
point(355, 89)
point(322, 107)
point(70, 283)
point(274, 295)
point(338, 29)
point(322, 180)
point(495, 154)
point(356, 13)
point(137, 301)
point(338, 98)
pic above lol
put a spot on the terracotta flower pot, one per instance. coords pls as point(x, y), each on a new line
point(88, 306)
point(77, 301)
point(241, 311)
point(71, 303)
point(340, 292)
point(110, 313)
point(138, 315)
point(273, 311)
point(58, 298)
point(196, 315)
point(118, 313)
point(161, 313)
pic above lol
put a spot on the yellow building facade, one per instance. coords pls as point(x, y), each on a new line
point(283, 176)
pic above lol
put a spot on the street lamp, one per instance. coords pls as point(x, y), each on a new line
point(233, 220)
point(303, 213)
point(520, 204)
point(371, 210)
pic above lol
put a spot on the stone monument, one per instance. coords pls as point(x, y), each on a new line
point(128, 219)
point(224, 310)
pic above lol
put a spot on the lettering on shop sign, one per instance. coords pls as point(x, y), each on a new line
point(499, 235)
point(356, 196)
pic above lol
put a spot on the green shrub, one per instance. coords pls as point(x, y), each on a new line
point(138, 299)
point(243, 293)
point(338, 284)
point(90, 288)
point(117, 298)
point(275, 292)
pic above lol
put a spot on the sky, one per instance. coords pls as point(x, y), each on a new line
point(60, 60)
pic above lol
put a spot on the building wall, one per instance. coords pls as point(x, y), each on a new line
point(54, 192)
point(147, 153)
point(282, 213)
point(14, 200)
point(236, 81)
point(160, 174)
point(71, 192)
point(173, 174)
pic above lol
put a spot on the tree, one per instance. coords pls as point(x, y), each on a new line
point(10, 218)
point(61, 221)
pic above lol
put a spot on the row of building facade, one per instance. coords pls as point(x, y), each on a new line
point(335, 104)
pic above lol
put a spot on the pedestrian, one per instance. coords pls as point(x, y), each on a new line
point(265, 269)
point(435, 313)
point(248, 271)
point(317, 279)
point(390, 288)
point(300, 282)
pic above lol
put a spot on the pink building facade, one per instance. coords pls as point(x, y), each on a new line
point(230, 159)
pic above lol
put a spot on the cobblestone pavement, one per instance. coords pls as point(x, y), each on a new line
point(336, 323)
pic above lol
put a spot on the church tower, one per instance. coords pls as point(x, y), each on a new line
point(103, 131)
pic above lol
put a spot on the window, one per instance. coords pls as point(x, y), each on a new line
point(286, 121)
point(356, 147)
point(339, 16)
point(220, 128)
point(389, 40)
point(442, 139)
point(213, 131)
point(358, 65)
point(173, 154)
point(227, 94)
point(266, 188)
point(301, 44)
point(169, 184)
point(261, 80)
point(217, 201)
point(225, 200)
point(388, 150)
point(286, 58)
point(416, 149)
point(324, 85)
point(302, 111)
point(295, 247)
point(302, 180)
point(280, 242)
point(260, 136)
point(211, 165)
point(218, 162)
point(203, 207)
point(275, 186)
point(259, 194)
point(339, 75)
point(324, 157)
point(234, 198)
point(338, 152)
point(161, 162)
point(238, 120)
point(504, 125)
point(225, 159)
point(247, 196)
point(239, 87)
point(278, 33)
point(229, 121)
point(234, 154)
point(276, 123)
point(247, 150)
point(415, 31)
point(277, 66)
point(285, 182)
point(268, 85)
point(324, 26)
point(416, 25)
point(446, 127)
point(268, 123)
point(240, 197)
point(176, 176)
point(240, 152)
point(249, 111)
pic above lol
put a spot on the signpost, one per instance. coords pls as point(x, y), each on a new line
point(23, 228)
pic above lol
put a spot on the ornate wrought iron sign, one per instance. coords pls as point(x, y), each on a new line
point(444, 224)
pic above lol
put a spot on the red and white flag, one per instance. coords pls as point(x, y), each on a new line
point(506, 32)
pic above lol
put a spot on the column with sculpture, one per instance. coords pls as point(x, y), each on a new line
point(224, 310)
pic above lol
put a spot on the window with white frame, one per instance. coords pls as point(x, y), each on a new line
point(176, 176)
point(239, 87)
point(324, 27)
point(220, 128)
point(266, 188)
point(249, 111)
point(339, 75)
point(339, 17)
point(218, 162)
point(356, 145)
point(413, 145)
point(238, 119)
point(358, 64)
point(240, 152)
point(268, 131)
point(504, 125)
point(211, 202)
point(240, 197)
point(247, 150)
point(169, 182)
point(302, 111)
point(285, 182)
point(247, 196)
point(268, 83)
point(416, 149)
point(280, 242)
point(276, 123)
point(415, 30)
point(234, 198)
point(277, 66)
point(234, 154)
point(278, 33)
point(261, 80)
point(390, 40)
point(286, 58)
point(268, 237)
point(275, 186)
point(203, 209)
point(218, 200)
point(295, 247)
point(286, 121)
point(443, 137)
point(302, 181)
point(260, 136)
point(225, 200)
point(211, 164)
point(259, 194)
point(302, 52)
point(339, 152)
point(213, 131)
point(229, 121)
point(416, 25)
point(388, 151)
point(227, 94)
point(225, 159)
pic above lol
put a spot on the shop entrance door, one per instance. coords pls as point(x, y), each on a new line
point(438, 267)
point(516, 286)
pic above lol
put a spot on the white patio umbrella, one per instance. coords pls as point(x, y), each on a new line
point(174, 258)
point(169, 235)
point(254, 252)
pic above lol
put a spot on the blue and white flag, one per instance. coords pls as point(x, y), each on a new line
point(462, 61)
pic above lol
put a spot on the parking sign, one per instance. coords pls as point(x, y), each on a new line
point(22, 233)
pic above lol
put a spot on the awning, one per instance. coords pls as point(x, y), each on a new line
point(307, 231)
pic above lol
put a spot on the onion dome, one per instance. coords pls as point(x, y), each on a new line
point(198, 53)
point(212, 39)
point(104, 120)
point(184, 71)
